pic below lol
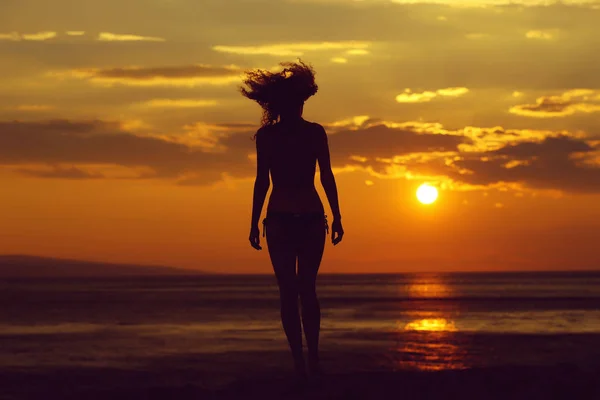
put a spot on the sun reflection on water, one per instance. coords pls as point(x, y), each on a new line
point(432, 325)
point(430, 340)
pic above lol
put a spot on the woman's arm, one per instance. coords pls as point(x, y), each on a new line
point(262, 182)
point(327, 178)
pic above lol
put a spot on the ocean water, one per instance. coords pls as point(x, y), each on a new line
point(402, 321)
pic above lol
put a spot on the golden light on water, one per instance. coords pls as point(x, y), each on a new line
point(427, 194)
point(428, 338)
point(432, 325)
point(428, 289)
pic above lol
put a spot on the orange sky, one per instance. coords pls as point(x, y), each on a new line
point(124, 139)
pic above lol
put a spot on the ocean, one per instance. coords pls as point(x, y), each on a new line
point(226, 325)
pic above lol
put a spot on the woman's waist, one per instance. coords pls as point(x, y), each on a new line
point(307, 188)
point(306, 202)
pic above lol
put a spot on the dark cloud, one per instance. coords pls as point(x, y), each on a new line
point(544, 107)
point(549, 164)
point(60, 172)
point(99, 143)
point(381, 141)
point(555, 106)
point(551, 148)
point(96, 142)
point(66, 149)
point(562, 162)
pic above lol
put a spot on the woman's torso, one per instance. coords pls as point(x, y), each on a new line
point(292, 151)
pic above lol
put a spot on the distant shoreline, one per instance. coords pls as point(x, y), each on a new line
point(35, 267)
point(39, 267)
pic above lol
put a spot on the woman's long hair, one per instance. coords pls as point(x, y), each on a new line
point(277, 91)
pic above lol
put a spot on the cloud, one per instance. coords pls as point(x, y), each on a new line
point(180, 103)
point(37, 148)
point(102, 37)
point(10, 36)
point(185, 75)
point(115, 37)
point(339, 60)
point(61, 172)
point(349, 123)
point(541, 34)
point(357, 52)
point(33, 107)
point(471, 157)
point(555, 163)
point(379, 141)
point(294, 49)
point(410, 97)
point(568, 103)
point(200, 153)
point(203, 154)
point(38, 37)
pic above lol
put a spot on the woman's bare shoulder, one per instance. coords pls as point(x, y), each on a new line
point(264, 132)
point(316, 127)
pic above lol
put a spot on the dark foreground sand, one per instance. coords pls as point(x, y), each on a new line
point(552, 382)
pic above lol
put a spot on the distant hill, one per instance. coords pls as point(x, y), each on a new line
point(21, 266)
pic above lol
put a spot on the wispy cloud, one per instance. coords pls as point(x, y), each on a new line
point(565, 104)
point(357, 52)
point(185, 75)
point(58, 172)
point(75, 33)
point(10, 36)
point(339, 60)
point(115, 37)
point(292, 49)
point(420, 97)
point(541, 34)
point(39, 36)
point(33, 107)
point(477, 35)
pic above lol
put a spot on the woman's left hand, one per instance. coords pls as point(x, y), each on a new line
point(337, 232)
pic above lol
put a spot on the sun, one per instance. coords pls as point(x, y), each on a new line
point(427, 194)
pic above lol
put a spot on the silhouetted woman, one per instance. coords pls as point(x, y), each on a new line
point(288, 147)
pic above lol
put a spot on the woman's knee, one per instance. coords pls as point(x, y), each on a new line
point(308, 294)
point(288, 294)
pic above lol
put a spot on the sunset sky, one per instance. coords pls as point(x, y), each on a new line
point(123, 137)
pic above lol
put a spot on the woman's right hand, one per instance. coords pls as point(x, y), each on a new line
point(337, 232)
point(255, 237)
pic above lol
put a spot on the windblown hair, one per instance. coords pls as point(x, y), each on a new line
point(276, 91)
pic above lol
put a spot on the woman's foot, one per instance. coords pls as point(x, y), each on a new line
point(299, 382)
point(300, 369)
point(316, 374)
point(314, 368)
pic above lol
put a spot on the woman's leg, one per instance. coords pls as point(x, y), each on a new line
point(282, 250)
point(309, 260)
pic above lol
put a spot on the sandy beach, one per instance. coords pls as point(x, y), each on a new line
point(565, 381)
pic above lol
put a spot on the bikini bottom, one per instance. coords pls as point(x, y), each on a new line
point(300, 223)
